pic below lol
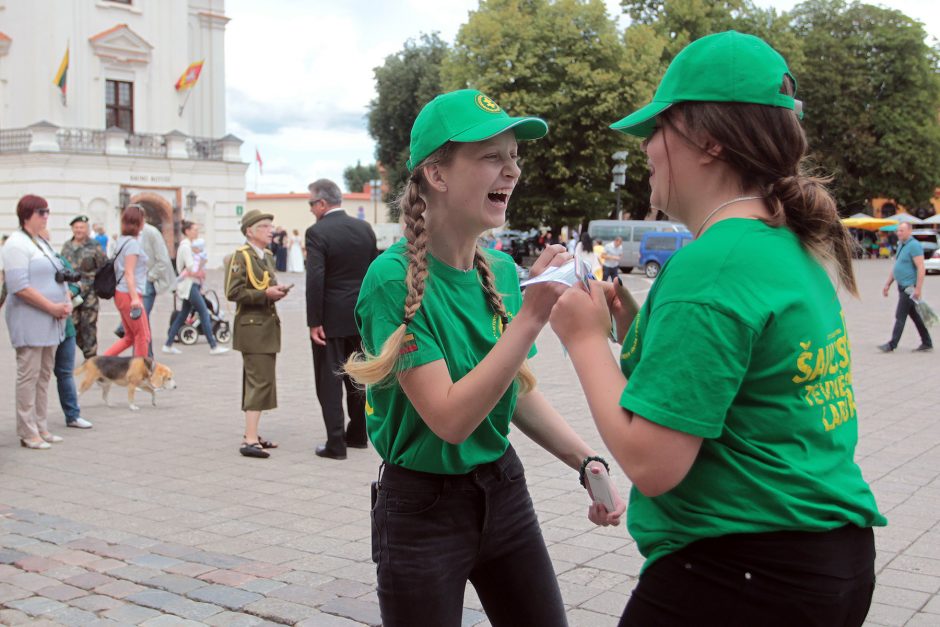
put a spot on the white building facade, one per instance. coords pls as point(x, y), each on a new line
point(122, 133)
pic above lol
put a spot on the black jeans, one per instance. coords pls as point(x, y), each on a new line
point(906, 308)
point(432, 533)
point(327, 362)
point(610, 273)
point(783, 579)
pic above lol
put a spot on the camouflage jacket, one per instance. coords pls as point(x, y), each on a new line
point(87, 258)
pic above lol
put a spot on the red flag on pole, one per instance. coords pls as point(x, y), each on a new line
point(258, 159)
point(190, 76)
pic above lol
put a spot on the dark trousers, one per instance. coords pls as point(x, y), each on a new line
point(783, 579)
point(327, 362)
point(197, 302)
point(432, 533)
point(610, 274)
point(906, 308)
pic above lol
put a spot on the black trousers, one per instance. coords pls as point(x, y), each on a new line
point(327, 362)
point(907, 309)
point(611, 273)
point(432, 533)
point(779, 579)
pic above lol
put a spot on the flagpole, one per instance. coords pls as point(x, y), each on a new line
point(189, 92)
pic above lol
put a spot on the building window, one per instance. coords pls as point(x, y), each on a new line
point(119, 105)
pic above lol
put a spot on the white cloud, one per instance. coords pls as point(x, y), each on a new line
point(299, 75)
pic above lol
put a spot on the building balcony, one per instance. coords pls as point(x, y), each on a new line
point(44, 137)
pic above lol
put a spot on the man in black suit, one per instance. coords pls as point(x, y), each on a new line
point(339, 251)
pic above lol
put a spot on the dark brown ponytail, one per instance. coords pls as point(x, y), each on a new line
point(767, 147)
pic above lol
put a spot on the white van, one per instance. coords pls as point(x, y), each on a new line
point(386, 234)
point(631, 232)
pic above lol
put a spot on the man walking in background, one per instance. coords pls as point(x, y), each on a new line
point(610, 258)
point(909, 272)
point(339, 251)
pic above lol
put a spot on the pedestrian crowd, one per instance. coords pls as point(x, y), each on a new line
point(746, 497)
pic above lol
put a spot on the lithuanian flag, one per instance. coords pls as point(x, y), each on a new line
point(409, 345)
point(61, 77)
point(190, 76)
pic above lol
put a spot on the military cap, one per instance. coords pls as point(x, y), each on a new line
point(79, 218)
point(253, 217)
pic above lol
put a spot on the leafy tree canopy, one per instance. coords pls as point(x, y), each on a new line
point(356, 176)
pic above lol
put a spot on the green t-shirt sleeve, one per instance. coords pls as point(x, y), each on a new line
point(380, 312)
point(692, 362)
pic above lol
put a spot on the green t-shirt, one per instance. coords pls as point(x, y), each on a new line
point(454, 323)
point(742, 342)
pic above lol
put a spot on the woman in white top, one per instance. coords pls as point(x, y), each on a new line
point(36, 311)
point(295, 255)
point(189, 288)
point(585, 249)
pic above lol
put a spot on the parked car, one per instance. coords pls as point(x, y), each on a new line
point(932, 263)
point(657, 248)
point(929, 239)
point(631, 232)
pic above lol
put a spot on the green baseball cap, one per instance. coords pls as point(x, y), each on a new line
point(724, 67)
point(466, 115)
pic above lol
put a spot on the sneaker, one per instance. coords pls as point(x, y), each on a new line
point(886, 348)
point(171, 350)
point(79, 423)
point(924, 348)
point(218, 350)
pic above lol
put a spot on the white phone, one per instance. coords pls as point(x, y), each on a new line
point(601, 488)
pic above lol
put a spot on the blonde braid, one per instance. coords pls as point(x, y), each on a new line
point(524, 376)
point(368, 369)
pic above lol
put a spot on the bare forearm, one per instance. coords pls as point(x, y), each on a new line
point(546, 427)
point(454, 415)
point(603, 384)
point(129, 277)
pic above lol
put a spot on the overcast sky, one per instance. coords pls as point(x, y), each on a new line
point(299, 75)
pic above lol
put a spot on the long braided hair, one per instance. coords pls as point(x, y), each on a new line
point(368, 369)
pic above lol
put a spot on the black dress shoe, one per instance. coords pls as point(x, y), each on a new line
point(357, 444)
point(322, 451)
point(886, 348)
point(923, 348)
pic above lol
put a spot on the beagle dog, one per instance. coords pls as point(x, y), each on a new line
point(130, 372)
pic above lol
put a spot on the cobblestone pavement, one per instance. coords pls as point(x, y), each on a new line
point(153, 518)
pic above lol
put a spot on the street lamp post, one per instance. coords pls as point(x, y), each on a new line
point(619, 172)
point(375, 190)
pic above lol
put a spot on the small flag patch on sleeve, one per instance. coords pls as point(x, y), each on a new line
point(409, 345)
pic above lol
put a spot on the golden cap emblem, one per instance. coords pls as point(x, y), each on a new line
point(487, 104)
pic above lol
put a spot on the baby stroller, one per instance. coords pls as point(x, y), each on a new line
point(191, 330)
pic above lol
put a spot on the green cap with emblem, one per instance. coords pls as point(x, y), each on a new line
point(466, 115)
point(724, 67)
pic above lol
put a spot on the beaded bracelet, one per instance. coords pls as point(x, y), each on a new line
point(588, 460)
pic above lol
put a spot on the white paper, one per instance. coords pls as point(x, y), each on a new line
point(566, 274)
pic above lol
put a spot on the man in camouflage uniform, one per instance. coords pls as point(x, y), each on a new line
point(86, 256)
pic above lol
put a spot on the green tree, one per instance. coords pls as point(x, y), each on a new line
point(356, 176)
point(871, 92)
point(562, 60)
point(407, 81)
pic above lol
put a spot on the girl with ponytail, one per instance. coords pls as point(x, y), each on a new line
point(731, 408)
point(446, 334)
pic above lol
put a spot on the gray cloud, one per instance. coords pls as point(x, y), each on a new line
point(268, 118)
